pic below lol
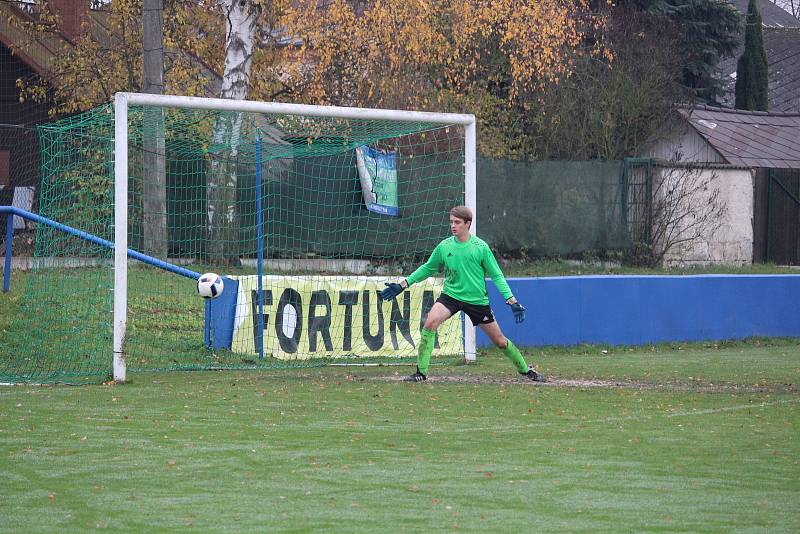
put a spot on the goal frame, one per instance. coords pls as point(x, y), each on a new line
point(123, 100)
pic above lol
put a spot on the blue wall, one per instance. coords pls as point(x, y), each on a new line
point(617, 310)
point(635, 310)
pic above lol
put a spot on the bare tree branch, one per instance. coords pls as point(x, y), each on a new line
point(685, 207)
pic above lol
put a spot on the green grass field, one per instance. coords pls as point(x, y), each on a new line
point(700, 438)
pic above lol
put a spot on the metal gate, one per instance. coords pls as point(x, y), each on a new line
point(637, 199)
point(777, 216)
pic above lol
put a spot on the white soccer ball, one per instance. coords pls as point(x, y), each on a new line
point(210, 286)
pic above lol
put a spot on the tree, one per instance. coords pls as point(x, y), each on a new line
point(709, 32)
point(241, 17)
point(673, 206)
point(200, 42)
point(154, 173)
point(752, 83)
point(610, 109)
point(484, 56)
point(415, 53)
point(491, 58)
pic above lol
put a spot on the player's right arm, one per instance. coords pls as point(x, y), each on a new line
point(427, 269)
point(430, 267)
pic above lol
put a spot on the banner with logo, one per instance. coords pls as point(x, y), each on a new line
point(331, 316)
point(377, 172)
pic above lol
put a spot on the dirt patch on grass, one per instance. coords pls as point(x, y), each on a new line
point(600, 383)
point(500, 380)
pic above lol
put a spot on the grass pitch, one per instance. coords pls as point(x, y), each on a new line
point(667, 438)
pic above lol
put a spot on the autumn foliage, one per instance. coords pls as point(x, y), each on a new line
point(493, 58)
point(412, 53)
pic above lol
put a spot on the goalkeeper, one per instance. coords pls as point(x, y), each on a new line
point(467, 260)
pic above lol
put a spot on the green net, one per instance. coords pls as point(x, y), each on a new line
point(343, 206)
point(560, 208)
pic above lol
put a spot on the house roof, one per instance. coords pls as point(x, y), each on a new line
point(772, 16)
point(41, 51)
point(749, 138)
point(782, 46)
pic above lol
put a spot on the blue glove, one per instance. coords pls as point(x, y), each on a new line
point(391, 291)
point(519, 312)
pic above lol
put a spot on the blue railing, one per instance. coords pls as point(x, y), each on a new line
point(11, 211)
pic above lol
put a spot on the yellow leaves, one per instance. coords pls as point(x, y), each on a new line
point(536, 38)
point(393, 53)
point(108, 57)
point(399, 51)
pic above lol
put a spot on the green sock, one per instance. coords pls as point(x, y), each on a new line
point(426, 342)
point(515, 356)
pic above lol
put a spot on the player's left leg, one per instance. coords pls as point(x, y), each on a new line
point(492, 330)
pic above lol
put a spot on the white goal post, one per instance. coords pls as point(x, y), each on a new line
point(122, 102)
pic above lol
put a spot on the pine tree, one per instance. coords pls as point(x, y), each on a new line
point(709, 32)
point(751, 70)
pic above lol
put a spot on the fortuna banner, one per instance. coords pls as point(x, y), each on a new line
point(377, 172)
point(331, 316)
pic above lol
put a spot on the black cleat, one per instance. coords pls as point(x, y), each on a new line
point(533, 375)
point(416, 377)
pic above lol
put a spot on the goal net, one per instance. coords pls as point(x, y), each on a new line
point(305, 212)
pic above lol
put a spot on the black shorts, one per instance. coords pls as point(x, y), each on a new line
point(476, 313)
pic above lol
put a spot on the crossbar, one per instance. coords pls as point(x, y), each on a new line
point(250, 106)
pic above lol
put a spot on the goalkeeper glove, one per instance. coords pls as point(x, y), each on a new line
point(391, 291)
point(519, 312)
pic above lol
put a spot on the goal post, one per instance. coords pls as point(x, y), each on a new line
point(300, 157)
point(305, 211)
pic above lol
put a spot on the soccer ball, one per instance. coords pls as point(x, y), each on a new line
point(210, 286)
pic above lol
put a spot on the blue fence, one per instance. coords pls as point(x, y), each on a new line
point(618, 310)
point(635, 310)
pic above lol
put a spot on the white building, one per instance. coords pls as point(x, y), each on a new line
point(753, 158)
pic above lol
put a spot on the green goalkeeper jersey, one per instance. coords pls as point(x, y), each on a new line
point(465, 268)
